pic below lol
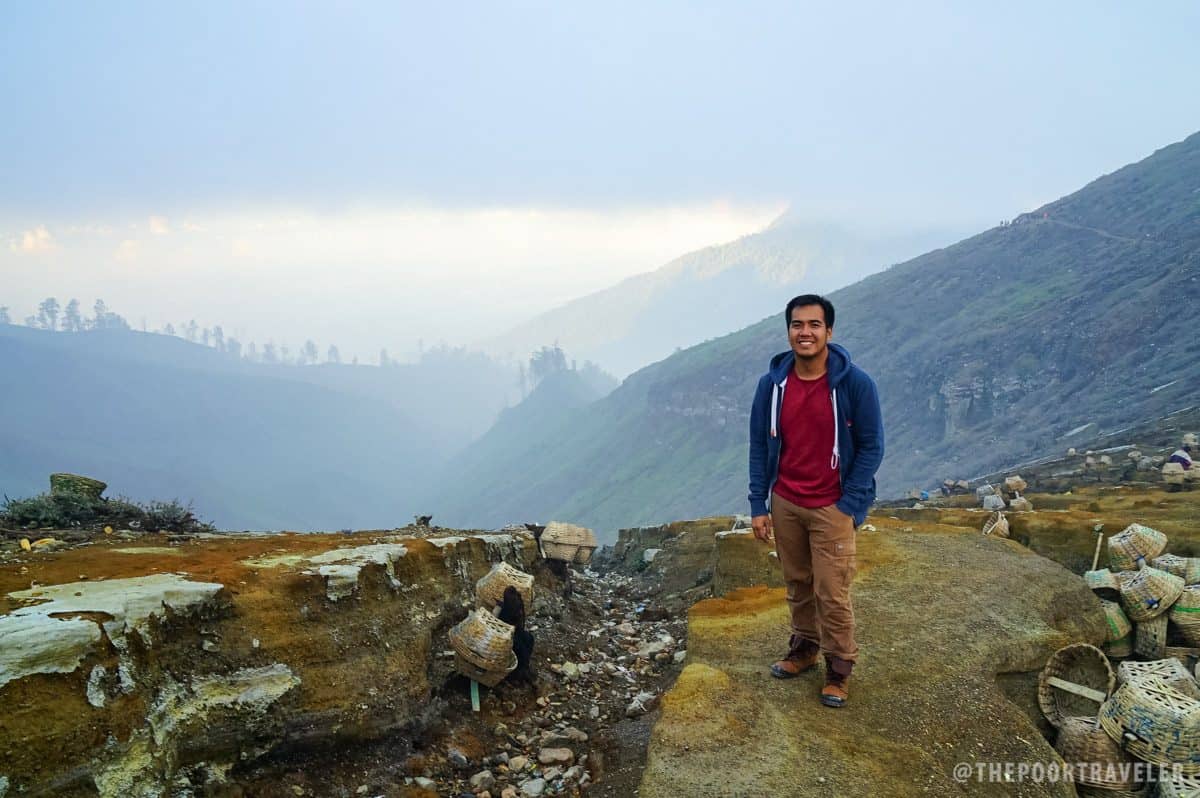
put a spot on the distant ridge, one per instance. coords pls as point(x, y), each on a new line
point(710, 292)
point(986, 353)
point(254, 446)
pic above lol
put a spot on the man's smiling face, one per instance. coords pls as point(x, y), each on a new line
point(807, 332)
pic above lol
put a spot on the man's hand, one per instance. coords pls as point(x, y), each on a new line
point(762, 528)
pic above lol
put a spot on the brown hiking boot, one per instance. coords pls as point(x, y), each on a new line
point(802, 656)
point(836, 691)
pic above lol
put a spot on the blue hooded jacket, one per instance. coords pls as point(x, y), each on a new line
point(858, 432)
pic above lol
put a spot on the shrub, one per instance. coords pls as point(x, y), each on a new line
point(75, 510)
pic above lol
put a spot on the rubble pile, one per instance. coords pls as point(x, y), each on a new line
point(606, 651)
point(1148, 708)
point(1007, 496)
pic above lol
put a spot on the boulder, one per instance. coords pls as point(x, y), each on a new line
point(64, 484)
point(993, 502)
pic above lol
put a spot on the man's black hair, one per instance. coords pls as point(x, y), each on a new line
point(809, 299)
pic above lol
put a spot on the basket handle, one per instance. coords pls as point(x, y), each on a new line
point(1077, 689)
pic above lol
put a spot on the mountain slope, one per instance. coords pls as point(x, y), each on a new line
point(985, 352)
point(254, 446)
point(519, 435)
point(709, 292)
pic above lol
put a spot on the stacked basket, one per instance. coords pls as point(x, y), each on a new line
point(1155, 722)
point(482, 643)
point(1147, 583)
point(1076, 681)
point(1154, 713)
point(568, 542)
point(1082, 740)
point(483, 649)
point(1134, 547)
point(1153, 716)
point(1185, 614)
point(489, 591)
point(1188, 568)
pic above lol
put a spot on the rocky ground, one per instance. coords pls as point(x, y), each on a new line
point(607, 647)
point(274, 677)
point(604, 655)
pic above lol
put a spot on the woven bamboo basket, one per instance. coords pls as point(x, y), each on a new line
point(1148, 593)
point(1155, 722)
point(1019, 504)
point(568, 542)
point(1186, 567)
point(483, 640)
point(1150, 637)
point(1104, 792)
point(1015, 484)
point(1104, 583)
point(1185, 614)
point(1135, 545)
point(1119, 649)
point(1118, 624)
point(489, 678)
point(1173, 473)
point(1170, 670)
point(1081, 740)
point(996, 525)
point(1188, 655)
point(489, 590)
point(1075, 681)
point(1181, 787)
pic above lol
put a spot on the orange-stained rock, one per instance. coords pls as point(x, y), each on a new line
point(132, 665)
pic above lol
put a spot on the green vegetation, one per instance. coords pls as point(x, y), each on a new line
point(77, 510)
point(986, 354)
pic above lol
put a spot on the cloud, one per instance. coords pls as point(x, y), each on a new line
point(366, 277)
point(159, 226)
point(91, 229)
point(35, 241)
point(128, 250)
point(241, 248)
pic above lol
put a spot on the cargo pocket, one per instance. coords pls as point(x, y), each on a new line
point(840, 544)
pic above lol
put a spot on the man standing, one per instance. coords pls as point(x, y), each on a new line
point(816, 441)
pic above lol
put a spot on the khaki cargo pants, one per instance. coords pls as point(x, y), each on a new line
point(816, 548)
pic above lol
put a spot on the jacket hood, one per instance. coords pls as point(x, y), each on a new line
point(837, 368)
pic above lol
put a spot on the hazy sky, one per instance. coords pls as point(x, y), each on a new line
point(370, 174)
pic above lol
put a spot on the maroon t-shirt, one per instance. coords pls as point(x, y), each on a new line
point(807, 477)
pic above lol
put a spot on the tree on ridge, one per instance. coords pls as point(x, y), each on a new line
point(72, 321)
point(48, 314)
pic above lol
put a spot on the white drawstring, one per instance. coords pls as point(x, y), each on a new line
point(835, 457)
point(776, 398)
